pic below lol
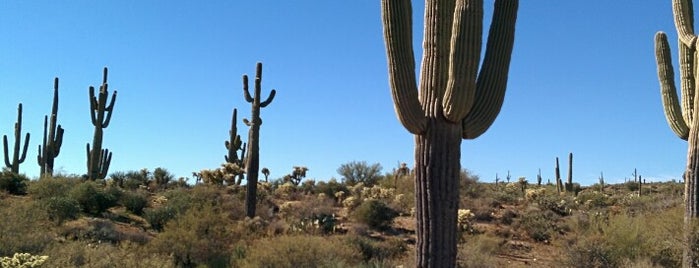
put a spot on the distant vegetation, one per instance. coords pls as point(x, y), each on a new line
point(148, 218)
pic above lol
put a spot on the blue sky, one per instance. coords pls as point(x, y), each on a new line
point(582, 80)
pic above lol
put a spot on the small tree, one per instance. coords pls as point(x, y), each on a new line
point(355, 172)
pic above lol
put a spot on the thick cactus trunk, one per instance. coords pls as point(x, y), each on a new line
point(437, 156)
point(98, 159)
point(691, 200)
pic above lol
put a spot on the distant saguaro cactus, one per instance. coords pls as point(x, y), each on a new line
point(683, 119)
point(455, 100)
point(98, 159)
point(559, 185)
point(235, 144)
point(253, 158)
point(569, 184)
point(53, 137)
point(16, 158)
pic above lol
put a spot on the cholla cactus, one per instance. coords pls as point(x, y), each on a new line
point(351, 202)
point(22, 260)
point(464, 220)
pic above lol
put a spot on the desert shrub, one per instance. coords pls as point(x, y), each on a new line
point(591, 251)
point(134, 201)
point(47, 187)
point(158, 217)
point(13, 183)
point(468, 185)
point(594, 199)
point(631, 186)
point(22, 227)
point(132, 180)
point(478, 251)
point(374, 251)
point(360, 172)
point(93, 199)
point(374, 213)
point(198, 237)
point(300, 251)
point(162, 177)
point(60, 208)
point(540, 225)
point(93, 230)
point(330, 187)
point(88, 254)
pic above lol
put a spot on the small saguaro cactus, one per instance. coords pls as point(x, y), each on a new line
point(53, 137)
point(235, 144)
point(98, 159)
point(455, 99)
point(16, 157)
point(253, 158)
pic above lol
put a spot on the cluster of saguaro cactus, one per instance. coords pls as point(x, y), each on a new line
point(683, 118)
point(98, 159)
point(235, 144)
point(17, 158)
point(53, 137)
point(253, 158)
point(455, 100)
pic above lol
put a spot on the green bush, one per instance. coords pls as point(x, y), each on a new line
point(198, 237)
point(13, 183)
point(374, 251)
point(47, 187)
point(93, 199)
point(300, 251)
point(158, 217)
point(539, 225)
point(375, 213)
point(61, 208)
point(22, 228)
point(330, 187)
point(134, 201)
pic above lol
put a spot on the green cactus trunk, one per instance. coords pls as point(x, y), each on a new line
point(53, 137)
point(98, 159)
point(682, 119)
point(253, 158)
point(455, 101)
point(16, 157)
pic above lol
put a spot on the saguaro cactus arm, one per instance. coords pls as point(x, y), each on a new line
point(52, 138)
point(464, 57)
point(492, 79)
point(684, 22)
point(666, 75)
point(397, 21)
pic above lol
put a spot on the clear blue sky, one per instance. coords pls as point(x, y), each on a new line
point(582, 80)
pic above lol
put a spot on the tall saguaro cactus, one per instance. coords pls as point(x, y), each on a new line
point(98, 159)
point(235, 144)
point(455, 100)
point(682, 118)
point(53, 137)
point(253, 158)
point(16, 157)
point(569, 184)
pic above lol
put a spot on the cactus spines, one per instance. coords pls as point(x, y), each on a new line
point(16, 157)
point(53, 137)
point(101, 114)
point(456, 100)
point(235, 144)
point(682, 118)
point(252, 164)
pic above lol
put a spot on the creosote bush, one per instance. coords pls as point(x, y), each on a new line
point(134, 201)
point(13, 183)
point(375, 214)
point(93, 198)
point(300, 251)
